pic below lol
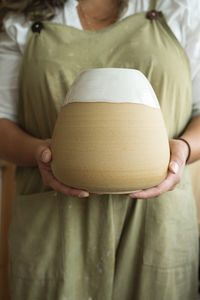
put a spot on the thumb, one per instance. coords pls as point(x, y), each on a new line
point(173, 167)
point(45, 155)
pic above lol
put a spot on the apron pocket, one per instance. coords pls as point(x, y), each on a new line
point(171, 235)
point(35, 236)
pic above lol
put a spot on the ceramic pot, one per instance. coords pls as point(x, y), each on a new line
point(110, 135)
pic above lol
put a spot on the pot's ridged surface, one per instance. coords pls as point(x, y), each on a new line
point(110, 147)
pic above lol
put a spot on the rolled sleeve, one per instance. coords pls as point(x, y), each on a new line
point(10, 59)
point(193, 50)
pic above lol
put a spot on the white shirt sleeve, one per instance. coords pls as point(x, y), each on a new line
point(12, 44)
point(192, 48)
point(10, 59)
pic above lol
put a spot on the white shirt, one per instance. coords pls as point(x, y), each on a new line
point(182, 16)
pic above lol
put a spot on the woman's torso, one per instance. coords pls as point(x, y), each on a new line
point(136, 42)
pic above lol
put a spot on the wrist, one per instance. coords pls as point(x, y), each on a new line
point(187, 148)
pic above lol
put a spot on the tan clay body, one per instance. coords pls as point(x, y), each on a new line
point(110, 147)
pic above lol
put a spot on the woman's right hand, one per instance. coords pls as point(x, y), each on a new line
point(43, 159)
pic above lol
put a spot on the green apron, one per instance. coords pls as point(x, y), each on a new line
point(109, 246)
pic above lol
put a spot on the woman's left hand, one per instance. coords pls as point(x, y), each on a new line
point(179, 154)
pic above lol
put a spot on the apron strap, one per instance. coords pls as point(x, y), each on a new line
point(153, 4)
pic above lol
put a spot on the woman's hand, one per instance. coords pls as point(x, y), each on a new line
point(43, 158)
point(179, 153)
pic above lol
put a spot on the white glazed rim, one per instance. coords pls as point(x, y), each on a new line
point(116, 85)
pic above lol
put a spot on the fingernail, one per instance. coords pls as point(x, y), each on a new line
point(174, 167)
point(132, 196)
point(83, 194)
point(44, 156)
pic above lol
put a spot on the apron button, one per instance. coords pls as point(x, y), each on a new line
point(37, 27)
point(153, 14)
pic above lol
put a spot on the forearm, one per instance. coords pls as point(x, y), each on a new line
point(16, 145)
point(192, 135)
